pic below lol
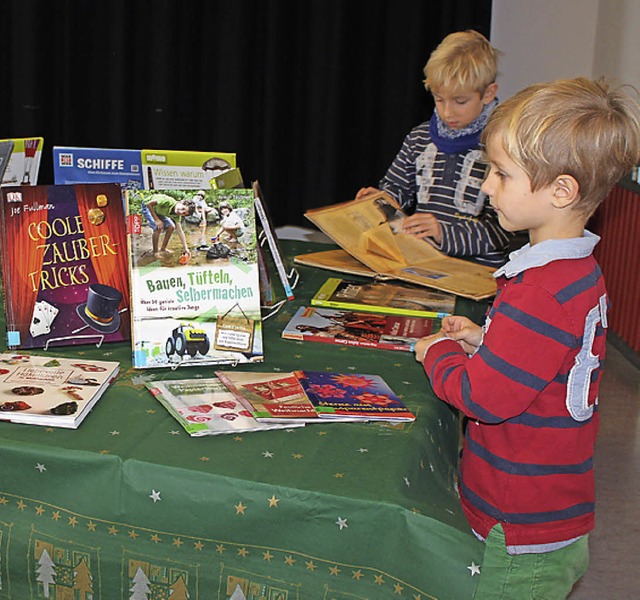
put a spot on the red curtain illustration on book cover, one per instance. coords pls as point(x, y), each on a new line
point(111, 269)
point(23, 258)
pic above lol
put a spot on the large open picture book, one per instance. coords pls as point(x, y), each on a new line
point(367, 229)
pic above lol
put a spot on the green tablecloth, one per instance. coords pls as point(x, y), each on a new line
point(130, 507)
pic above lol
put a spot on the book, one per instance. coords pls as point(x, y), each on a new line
point(384, 297)
point(24, 161)
point(337, 260)
point(64, 265)
point(6, 148)
point(206, 407)
point(354, 396)
point(146, 169)
point(270, 397)
point(188, 170)
point(272, 240)
point(368, 229)
point(72, 164)
point(360, 329)
point(51, 390)
point(201, 309)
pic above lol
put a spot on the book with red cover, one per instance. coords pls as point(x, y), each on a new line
point(64, 265)
point(270, 397)
point(361, 329)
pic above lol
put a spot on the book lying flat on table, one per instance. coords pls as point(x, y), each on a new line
point(353, 396)
point(50, 390)
point(384, 297)
point(270, 397)
point(369, 229)
point(206, 407)
point(309, 396)
point(352, 328)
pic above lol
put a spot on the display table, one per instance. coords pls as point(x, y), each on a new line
point(130, 507)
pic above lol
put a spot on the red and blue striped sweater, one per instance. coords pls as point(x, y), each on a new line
point(531, 391)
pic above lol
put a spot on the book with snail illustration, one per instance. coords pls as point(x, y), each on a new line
point(195, 293)
point(51, 390)
point(64, 265)
point(368, 230)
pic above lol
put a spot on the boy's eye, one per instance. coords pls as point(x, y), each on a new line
point(462, 101)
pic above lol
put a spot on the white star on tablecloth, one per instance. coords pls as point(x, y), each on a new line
point(474, 568)
point(342, 523)
point(41, 467)
point(155, 496)
point(267, 454)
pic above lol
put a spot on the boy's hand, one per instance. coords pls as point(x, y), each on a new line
point(159, 224)
point(464, 331)
point(423, 344)
point(421, 225)
point(366, 191)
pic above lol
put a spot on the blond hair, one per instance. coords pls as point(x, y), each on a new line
point(579, 127)
point(463, 61)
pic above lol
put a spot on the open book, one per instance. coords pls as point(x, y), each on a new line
point(368, 229)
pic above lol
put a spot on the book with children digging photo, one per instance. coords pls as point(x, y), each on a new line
point(195, 294)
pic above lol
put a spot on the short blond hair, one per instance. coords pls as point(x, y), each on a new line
point(580, 127)
point(463, 61)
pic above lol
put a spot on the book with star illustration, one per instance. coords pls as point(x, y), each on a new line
point(206, 407)
point(64, 264)
point(270, 397)
point(360, 329)
point(51, 390)
point(352, 396)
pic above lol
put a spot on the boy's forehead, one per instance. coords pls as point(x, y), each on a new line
point(453, 90)
point(494, 146)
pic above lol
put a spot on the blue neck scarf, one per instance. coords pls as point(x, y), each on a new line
point(456, 141)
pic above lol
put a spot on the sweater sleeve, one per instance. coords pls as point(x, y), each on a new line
point(400, 179)
point(524, 347)
point(478, 237)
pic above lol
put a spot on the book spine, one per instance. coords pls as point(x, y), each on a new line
point(387, 310)
point(353, 343)
point(12, 335)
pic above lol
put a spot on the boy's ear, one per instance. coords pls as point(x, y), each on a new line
point(490, 93)
point(566, 191)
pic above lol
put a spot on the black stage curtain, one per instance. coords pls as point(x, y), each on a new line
point(314, 96)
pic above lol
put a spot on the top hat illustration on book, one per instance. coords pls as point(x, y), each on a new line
point(100, 311)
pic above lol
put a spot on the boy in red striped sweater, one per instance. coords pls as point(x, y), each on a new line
point(528, 379)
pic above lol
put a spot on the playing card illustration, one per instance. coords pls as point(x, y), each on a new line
point(43, 315)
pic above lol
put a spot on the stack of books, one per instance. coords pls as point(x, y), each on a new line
point(237, 401)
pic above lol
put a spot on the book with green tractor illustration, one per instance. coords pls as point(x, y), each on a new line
point(191, 306)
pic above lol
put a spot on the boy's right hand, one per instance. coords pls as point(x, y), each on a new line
point(366, 191)
point(464, 331)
